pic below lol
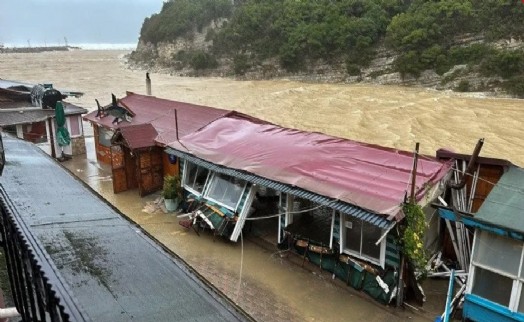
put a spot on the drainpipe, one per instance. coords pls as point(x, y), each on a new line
point(470, 167)
point(148, 84)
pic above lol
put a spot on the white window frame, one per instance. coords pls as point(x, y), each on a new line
point(185, 178)
point(517, 286)
point(208, 185)
point(377, 261)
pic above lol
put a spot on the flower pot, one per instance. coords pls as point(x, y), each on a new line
point(171, 204)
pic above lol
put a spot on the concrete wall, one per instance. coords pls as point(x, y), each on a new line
point(79, 145)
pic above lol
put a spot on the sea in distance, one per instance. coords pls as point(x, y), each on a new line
point(85, 46)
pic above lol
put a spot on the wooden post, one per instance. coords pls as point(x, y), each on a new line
point(413, 200)
point(412, 197)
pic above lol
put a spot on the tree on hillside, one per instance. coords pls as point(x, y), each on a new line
point(424, 33)
point(179, 18)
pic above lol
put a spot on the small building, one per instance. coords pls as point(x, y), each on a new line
point(20, 117)
point(73, 117)
point(30, 124)
point(494, 290)
point(333, 200)
point(136, 159)
point(133, 144)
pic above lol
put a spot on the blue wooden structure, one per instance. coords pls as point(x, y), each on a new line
point(495, 286)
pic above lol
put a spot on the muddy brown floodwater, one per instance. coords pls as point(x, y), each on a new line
point(384, 115)
point(269, 285)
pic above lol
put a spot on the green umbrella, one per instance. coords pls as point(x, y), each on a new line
point(62, 135)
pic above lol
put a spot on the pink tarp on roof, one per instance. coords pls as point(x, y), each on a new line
point(372, 177)
point(160, 113)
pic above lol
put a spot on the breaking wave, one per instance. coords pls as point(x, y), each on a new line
point(105, 46)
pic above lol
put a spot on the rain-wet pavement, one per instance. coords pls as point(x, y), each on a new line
point(267, 284)
point(114, 271)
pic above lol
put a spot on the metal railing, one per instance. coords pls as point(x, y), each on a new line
point(39, 292)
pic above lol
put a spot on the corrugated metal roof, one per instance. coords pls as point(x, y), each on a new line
point(138, 136)
point(341, 206)
point(4, 83)
point(504, 206)
point(72, 109)
point(160, 113)
point(369, 176)
point(24, 116)
point(15, 116)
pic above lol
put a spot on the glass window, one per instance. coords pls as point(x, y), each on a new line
point(361, 238)
point(492, 286)
point(498, 252)
point(75, 122)
point(283, 201)
point(196, 177)
point(225, 189)
point(353, 234)
point(370, 235)
point(521, 302)
point(104, 136)
point(522, 270)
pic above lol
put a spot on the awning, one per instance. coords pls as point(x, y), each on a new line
point(24, 116)
point(136, 136)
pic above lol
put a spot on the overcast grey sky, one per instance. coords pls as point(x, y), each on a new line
point(81, 21)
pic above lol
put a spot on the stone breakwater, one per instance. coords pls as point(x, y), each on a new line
point(19, 50)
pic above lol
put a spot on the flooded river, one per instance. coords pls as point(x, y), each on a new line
point(386, 115)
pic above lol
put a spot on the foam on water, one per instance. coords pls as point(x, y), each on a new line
point(129, 46)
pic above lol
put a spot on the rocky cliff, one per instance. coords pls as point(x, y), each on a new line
point(162, 57)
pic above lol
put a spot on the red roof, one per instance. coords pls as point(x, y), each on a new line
point(160, 113)
point(372, 177)
point(139, 136)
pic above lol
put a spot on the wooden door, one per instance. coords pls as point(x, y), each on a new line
point(119, 169)
point(149, 165)
point(131, 171)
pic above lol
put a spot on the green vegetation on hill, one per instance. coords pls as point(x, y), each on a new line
point(423, 35)
point(178, 18)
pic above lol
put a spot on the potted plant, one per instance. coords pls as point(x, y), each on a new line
point(172, 192)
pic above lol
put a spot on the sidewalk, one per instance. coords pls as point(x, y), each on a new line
point(70, 251)
point(267, 284)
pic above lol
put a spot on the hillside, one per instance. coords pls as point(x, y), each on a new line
point(463, 45)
